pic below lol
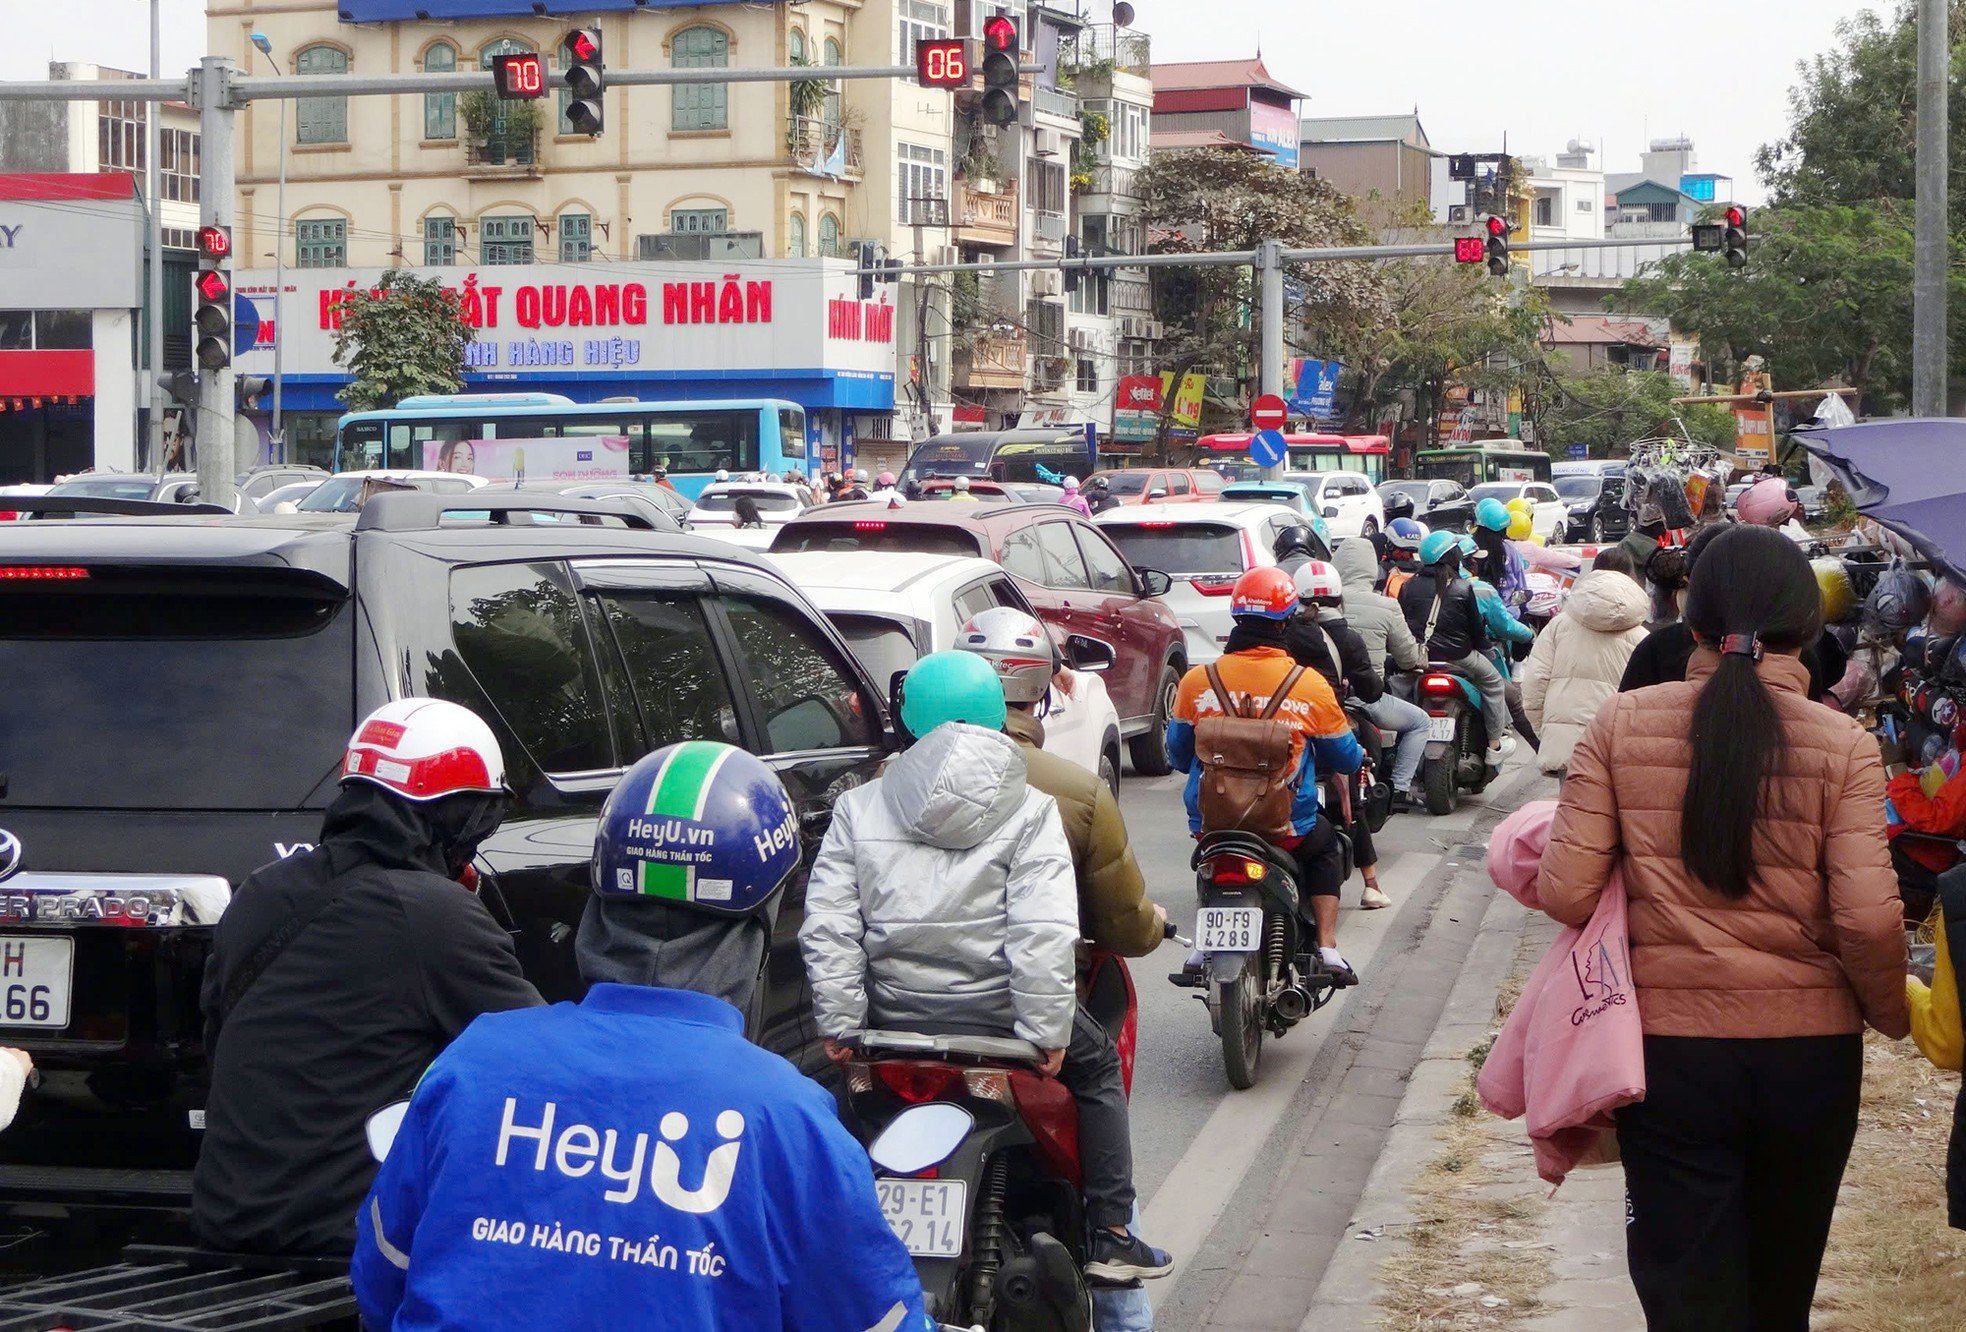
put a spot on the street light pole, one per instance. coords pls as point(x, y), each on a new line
point(277, 439)
point(1928, 315)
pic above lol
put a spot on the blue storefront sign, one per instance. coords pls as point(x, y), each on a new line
point(1313, 387)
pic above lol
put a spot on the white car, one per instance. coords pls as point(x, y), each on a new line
point(1348, 501)
point(1204, 548)
point(715, 511)
point(1549, 512)
point(893, 609)
point(342, 492)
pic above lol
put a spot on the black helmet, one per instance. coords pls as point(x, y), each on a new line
point(1398, 504)
point(1295, 540)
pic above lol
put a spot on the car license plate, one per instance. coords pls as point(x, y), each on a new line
point(1440, 728)
point(926, 1215)
point(34, 980)
point(1229, 929)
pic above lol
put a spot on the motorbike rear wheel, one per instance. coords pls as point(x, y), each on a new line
point(1242, 1023)
point(1440, 779)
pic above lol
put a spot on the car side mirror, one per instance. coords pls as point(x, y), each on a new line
point(1156, 494)
point(1088, 654)
point(1154, 583)
point(1331, 511)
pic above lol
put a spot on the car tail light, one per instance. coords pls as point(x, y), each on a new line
point(42, 573)
point(1162, 526)
point(869, 525)
point(1226, 870)
point(1214, 588)
point(1439, 684)
point(9, 515)
point(918, 1083)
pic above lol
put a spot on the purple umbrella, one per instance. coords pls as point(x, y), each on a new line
point(1909, 475)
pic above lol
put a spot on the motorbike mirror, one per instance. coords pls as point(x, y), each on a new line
point(382, 1128)
point(1154, 583)
point(1088, 654)
point(920, 1137)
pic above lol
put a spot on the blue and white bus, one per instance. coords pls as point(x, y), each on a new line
point(693, 440)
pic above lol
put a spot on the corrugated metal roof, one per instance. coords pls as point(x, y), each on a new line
point(1219, 74)
point(1175, 139)
point(1363, 129)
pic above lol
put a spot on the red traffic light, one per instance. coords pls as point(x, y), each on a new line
point(1000, 32)
point(942, 62)
point(214, 242)
point(1469, 249)
point(212, 286)
point(1498, 226)
point(1736, 216)
point(583, 44)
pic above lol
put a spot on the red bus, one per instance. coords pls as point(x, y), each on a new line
point(1365, 454)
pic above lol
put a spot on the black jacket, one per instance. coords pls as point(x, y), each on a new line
point(1350, 677)
point(342, 1021)
point(1661, 657)
point(1101, 501)
point(1458, 630)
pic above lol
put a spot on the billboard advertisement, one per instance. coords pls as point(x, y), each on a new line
point(591, 458)
point(391, 11)
point(1312, 386)
point(1136, 408)
point(1274, 130)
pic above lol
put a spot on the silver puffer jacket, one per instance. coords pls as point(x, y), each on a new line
point(943, 893)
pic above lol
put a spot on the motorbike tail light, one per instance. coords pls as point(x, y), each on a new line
point(41, 573)
point(919, 1083)
point(1227, 870)
point(987, 1084)
point(859, 1079)
point(1438, 684)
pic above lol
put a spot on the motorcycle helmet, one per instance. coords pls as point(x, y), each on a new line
point(1071, 485)
point(885, 480)
point(951, 687)
point(1319, 582)
point(1405, 534)
point(1266, 594)
point(1911, 656)
point(1439, 547)
point(1294, 540)
point(1767, 503)
point(962, 485)
point(699, 824)
point(1520, 526)
point(1492, 514)
point(1018, 649)
point(1899, 601)
point(1398, 504)
point(424, 749)
point(1839, 593)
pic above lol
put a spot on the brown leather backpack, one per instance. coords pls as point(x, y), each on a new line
point(1248, 779)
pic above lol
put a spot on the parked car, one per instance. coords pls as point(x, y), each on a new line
point(715, 512)
point(1548, 512)
point(1351, 507)
point(1441, 504)
point(1075, 579)
point(347, 492)
point(1202, 550)
point(894, 609)
point(1162, 485)
point(1596, 506)
point(667, 508)
point(256, 483)
point(195, 691)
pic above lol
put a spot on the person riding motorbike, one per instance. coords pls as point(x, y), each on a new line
point(944, 900)
point(1506, 632)
point(1294, 547)
point(1444, 613)
point(1073, 500)
point(1253, 667)
point(1099, 496)
point(853, 486)
point(886, 489)
point(1402, 558)
point(515, 1125)
point(1389, 645)
point(1770, 502)
point(1319, 637)
point(960, 493)
point(1502, 568)
point(337, 974)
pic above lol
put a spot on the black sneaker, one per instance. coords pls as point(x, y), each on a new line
point(1120, 1259)
point(1408, 802)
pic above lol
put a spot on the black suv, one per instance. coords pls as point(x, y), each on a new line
point(178, 693)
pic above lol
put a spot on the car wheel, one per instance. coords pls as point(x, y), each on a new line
point(1109, 765)
point(1595, 532)
point(1149, 750)
point(1369, 529)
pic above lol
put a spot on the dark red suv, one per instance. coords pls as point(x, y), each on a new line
point(1075, 578)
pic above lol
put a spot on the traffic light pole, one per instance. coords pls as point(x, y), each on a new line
point(216, 440)
point(1269, 299)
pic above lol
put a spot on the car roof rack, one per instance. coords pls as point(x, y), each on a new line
point(422, 511)
point(104, 504)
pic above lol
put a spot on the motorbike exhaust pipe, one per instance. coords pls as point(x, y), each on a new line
point(1293, 1003)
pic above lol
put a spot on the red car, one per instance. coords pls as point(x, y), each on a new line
point(1162, 485)
point(1074, 577)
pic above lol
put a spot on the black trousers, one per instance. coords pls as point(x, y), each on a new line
point(1320, 863)
point(1732, 1163)
point(1092, 1074)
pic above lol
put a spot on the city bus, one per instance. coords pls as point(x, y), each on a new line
point(1482, 460)
point(508, 431)
point(1364, 454)
point(1048, 454)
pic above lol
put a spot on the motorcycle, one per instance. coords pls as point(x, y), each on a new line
point(1371, 796)
point(1457, 737)
point(976, 1162)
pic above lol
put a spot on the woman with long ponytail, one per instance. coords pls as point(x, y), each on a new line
point(1765, 932)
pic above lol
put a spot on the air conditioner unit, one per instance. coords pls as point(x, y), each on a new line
point(1130, 326)
point(1082, 339)
point(1046, 144)
point(1045, 282)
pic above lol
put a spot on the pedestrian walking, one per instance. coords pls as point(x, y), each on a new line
point(1765, 933)
point(1577, 661)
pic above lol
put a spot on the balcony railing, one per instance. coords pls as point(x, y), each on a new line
point(824, 148)
point(991, 360)
point(1048, 228)
point(1101, 46)
point(1117, 181)
point(985, 219)
point(503, 150)
point(1132, 296)
point(1056, 102)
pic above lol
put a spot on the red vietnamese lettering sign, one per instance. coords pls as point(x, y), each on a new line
point(859, 321)
point(731, 300)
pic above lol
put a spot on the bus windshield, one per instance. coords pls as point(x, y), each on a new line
point(987, 455)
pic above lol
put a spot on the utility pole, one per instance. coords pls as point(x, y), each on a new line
point(215, 209)
point(1269, 300)
point(154, 317)
point(1928, 318)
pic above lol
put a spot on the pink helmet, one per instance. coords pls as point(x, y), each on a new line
point(1767, 503)
point(885, 481)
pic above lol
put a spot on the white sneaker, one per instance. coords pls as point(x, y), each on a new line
point(1499, 754)
point(1373, 899)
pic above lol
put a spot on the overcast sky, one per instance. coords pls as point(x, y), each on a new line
point(1541, 71)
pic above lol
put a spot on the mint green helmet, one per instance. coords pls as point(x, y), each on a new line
point(1437, 546)
point(951, 687)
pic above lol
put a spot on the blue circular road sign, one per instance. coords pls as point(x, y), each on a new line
point(1268, 448)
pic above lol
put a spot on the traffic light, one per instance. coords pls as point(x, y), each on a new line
point(1000, 47)
point(1734, 241)
point(249, 389)
point(863, 259)
point(586, 77)
point(520, 77)
point(1071, 265)
point(1497, 247)
point(942, 62)
point(1470, 249)
point(213, 318)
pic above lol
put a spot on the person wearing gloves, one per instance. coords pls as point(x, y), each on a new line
point(1766, 933)
point(943, 900)
point(1444, 613)
point(1389, 643)
point(1073, 500)
point(1575, 666)
point(337, 974)
point(632, 1160)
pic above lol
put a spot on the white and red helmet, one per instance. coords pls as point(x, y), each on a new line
point(1318, 581)
point(425, 749)
point(1017, 647)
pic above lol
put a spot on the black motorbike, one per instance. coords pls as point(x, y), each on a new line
point(1457, 736)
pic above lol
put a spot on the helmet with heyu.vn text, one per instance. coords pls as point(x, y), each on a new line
point(700, 825)
point(424, 749)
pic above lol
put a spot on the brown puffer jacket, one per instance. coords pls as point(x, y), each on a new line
point(1816, 948)
point(1114, 909)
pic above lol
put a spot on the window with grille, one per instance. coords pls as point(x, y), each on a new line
point(439, 241)
point(119, 136)
point(321, 119)
point(177, 160)
point(1047, 185)
point(920, 21)
point(829, 237)
point(923, 174)
point(832, 54)
point(505, 240)
point(576, 238)
point(700, 106)
point(321, 242)
point(1088, 377)
point(1046, 322)
point(440, 109)
point(796, 246)
point(699, 221)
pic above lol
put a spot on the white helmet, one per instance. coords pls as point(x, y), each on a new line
point(1017, 647)
point(1071, 483)
point(722, 475)
point(1318, 581)
point(962, 483)
point(860, 476)
point(425, 749)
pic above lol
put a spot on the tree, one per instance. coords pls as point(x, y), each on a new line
point(1608, 408)
point(403, 336)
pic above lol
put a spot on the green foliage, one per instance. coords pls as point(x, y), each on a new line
point(402, 337)
point(808, 95)
point(1094, 127)
point(1608, 408)
point(490, 117)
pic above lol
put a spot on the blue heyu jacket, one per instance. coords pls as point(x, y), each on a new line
point(630, 1161)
